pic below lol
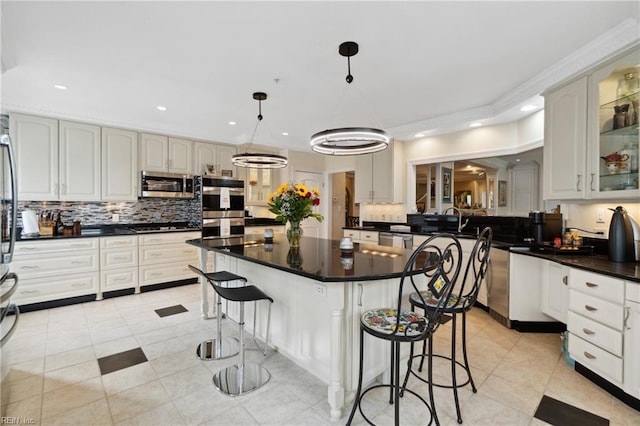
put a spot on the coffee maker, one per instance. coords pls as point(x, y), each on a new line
point(545, 226)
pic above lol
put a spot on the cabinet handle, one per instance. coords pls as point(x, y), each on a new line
point(587, 331)
point(119, 279)
point(627, 312)
point(360, 292)
point(64, 188)
point(30, 291)
point(593, 175)
point(565, 280)
point(588, 355)
point(578, 183)
point(186, 251)
point(78, 262)
point(29, 267)
point(591, 285)
point(156, 274)
point(119, 243)
point(590, 308)
point(80, 245)
point(28, 248)
point(155, 254)
point(120, 258)
point(77, 285)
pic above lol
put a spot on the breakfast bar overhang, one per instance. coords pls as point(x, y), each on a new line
point(319, 294)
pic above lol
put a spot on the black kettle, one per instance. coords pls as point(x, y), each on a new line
point(621, 237)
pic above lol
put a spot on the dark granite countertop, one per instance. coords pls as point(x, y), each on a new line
point(318, 258)
point(112, 230)
point(594, 263)
point(261, 221)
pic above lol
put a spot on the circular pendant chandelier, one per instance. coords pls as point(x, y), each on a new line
point(349, 140)
point(257, 160)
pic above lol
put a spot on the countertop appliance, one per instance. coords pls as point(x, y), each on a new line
point(9, 312)
point(498, 285)
point(390, 239)
point(223, 210)
point(545, 226)
point(165, 185)
point(623, 237)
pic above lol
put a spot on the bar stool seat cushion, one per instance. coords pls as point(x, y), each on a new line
point(382, 322)
point(221, 276)
point(247, 293)
point(455, 304)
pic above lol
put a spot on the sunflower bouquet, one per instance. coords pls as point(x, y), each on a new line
point(294, 202)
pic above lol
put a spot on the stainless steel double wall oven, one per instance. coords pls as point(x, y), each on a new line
point(223, 209)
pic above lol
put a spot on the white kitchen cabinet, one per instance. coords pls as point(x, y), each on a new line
point(118, 263)
point(597, 322)
point(555, 291)
point(380, 176)
point(370, 237)
point(526, 273)
point(632, 340)
point(119, 165)
point(79, 161)
point(583, 125)
point(166, 257)
point(35, 141)
point(220, 156)
point(259, 230)
point(56, 269)
point(259, 185)
point(164, 154)
point(565, 134)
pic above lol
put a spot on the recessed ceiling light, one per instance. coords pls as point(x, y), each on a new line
point(468, 166)
point(60, 86)
point(232, 123)
point(529, 107)
point(517, 159)
point(476, 124)
point(285, 134)
point(419, 135)
point(161, 108)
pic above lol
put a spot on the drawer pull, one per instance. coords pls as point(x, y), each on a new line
point(565, 280)
point(29, 267)
point(590, 308)
point(187, 251)
point(591, 285)
point(30, 291)
point(155, 254)
point(156, 274)
point(588, 355)
point(78, 262)
point(120, 243)
point(80, 245)
point(120, 258)
point(587, 331)
point(120, 279)
point(77, 285)
point(627, 312)
point(28, 248)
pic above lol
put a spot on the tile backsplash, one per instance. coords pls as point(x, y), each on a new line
point(146, 210)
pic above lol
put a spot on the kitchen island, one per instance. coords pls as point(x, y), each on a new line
point(319, 294)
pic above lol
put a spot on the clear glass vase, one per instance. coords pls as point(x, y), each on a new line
point(294, 233)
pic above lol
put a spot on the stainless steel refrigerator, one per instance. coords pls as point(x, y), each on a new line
point(9, 312)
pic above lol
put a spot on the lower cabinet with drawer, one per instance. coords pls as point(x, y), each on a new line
point(370, 237)
point(118, 263)
point(166, 257)
point(596, 322)
point(56, 269)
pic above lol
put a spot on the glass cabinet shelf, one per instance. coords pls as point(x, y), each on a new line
point(634, 129)
point(628, 98)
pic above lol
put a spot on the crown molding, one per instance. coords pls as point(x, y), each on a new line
point(613, 42)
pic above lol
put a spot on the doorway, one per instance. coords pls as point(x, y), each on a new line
point(343, 209)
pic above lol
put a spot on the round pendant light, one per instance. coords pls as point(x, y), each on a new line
point(349, 140)
point(256, 160)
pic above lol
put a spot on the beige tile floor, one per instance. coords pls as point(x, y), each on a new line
point(55, 378)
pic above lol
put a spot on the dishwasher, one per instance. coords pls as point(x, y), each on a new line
point(498, 285)
point(390, 239)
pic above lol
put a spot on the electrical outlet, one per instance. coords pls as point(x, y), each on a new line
point(321, 290)
point(600, 215)
point(115, 217)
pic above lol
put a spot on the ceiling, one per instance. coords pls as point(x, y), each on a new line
point(427, 67)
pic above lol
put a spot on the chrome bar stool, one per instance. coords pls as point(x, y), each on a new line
point(242, 377)
point(435, 265)
point(220, 347)
point(462, 300)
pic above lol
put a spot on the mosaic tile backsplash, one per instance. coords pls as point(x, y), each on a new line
point(147, 210)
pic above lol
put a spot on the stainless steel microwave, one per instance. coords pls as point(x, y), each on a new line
point(166, 185)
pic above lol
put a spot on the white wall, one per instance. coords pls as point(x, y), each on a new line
point(583, 215)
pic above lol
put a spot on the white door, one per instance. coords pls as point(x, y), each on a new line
point(310, 226)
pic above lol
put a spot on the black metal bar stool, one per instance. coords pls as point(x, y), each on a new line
point(244, 376)
point(220, 347)
point(435, 265)
point(462, 300)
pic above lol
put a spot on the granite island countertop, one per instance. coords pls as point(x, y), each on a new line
point(318, 258)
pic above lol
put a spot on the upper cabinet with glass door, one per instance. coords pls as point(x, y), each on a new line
point(613, 131)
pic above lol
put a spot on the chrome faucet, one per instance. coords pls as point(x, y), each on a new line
point(460, 224)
